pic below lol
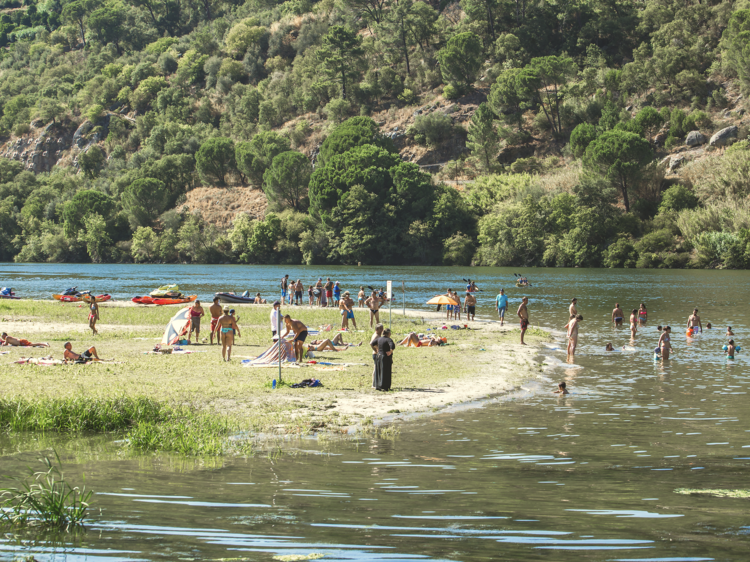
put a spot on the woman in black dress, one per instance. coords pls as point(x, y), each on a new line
point(384, 361)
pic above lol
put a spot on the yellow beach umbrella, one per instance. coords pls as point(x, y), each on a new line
point(442, 299)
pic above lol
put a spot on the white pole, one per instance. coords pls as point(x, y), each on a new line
point(278, 333)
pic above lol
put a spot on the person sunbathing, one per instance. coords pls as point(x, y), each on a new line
point(89, 355)
point(413, 340)
point(336, 344)
point(5, 339)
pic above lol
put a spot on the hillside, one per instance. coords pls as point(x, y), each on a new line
point(398, 132)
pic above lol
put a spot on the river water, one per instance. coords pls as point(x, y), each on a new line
point(531, 476)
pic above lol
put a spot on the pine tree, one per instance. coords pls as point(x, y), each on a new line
point(482, 137)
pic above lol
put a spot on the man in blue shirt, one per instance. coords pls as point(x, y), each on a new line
point(502, 305)
point(336, 293)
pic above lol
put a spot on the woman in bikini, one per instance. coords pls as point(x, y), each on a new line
point(642, 314)
point(664, 342)
point(413, 340)
point(93, 315)
point(633, 323)
point(225, 330)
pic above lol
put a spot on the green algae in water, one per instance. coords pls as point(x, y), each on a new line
point(718, 492)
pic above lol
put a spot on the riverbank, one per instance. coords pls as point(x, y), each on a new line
point(485, 359)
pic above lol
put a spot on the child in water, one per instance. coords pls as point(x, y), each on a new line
point(609, 347)
point(731, 349)
point(561, 389)
point(729, 331)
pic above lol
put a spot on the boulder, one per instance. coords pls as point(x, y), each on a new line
point(676, 162)
point(723, 137)
point(84, 128)
point(695, 138)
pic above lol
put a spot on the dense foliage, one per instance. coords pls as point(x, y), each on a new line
point(131, 104)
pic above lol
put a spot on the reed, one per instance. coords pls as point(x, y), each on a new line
point(46, 500)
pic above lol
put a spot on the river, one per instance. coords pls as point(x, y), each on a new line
point(531, 476)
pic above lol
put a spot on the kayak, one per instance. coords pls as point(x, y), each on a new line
point(14, 297)
point(184, 300)
point(235, 299)
point(162, 302)
point(167, 291)
point(75, 298)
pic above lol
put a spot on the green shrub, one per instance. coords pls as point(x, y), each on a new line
point(451, 92)
point(677, 198)
point(657, 241)
point(581, 137)
point(436, 127)
point(620, 254)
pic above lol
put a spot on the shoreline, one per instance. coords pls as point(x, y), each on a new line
point(484, 363)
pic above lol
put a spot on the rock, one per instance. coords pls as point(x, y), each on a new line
point(451, 108)
point(417, 112)
point(659, 139)
point(629, 108)
point(695, 138)
point(84, 128)
point(723, 137)
point(36, 123)
point(666, 161)
point(676, 162)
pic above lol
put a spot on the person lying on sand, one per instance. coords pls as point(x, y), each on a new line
point(5, 339)
point(89, 355)
point(413, 340)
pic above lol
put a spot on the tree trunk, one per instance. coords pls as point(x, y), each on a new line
point(406, 50)
point(490, 25)
point(625, 200)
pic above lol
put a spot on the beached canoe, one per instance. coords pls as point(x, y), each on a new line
point(14, 297)
point(80, 298)
point(143, 300)
point(235, 299)
point(183, 300)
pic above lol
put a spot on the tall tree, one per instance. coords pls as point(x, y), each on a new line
point(552, 74)
point(482, 137)
point(77, 12)
point(340, 54)
point(286, 181)
point(461, 59)
point(619, 156)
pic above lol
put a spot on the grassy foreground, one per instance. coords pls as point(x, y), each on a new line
point(192, 403)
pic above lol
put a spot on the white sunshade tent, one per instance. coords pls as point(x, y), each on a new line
point(177, 327)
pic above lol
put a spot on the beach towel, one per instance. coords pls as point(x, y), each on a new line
point(40, 361)
point(271, 355)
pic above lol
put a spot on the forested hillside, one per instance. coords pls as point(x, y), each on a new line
point(494, 132)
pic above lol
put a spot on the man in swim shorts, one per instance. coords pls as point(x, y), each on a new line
point(502, 305)
point(284, 287)
point(196, 313)
point(731, 349)
point(694, 321)
point(89, 355)
point(226, 327)
point(617, 315)
point(329, 291)
point(300, 335)
point(10, 341)
point(298, 288)
point(470, 302)
point(523, 315)
point(215, 310)
point(374, 303)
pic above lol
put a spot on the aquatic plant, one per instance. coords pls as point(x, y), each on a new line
point(718, 492)
point(48, 500)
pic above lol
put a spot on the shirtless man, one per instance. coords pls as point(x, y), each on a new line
point(319, 287)
point(215, 310)
point(7, 340)
point(89, 355)
point(361, 297)
point(573, 335)
point(617, 315)
point(694, 321)
point(226, 326)
point(374, 303)
point(329, 291)
point(456, 307)
point(298, 288)
point(572, 310)
point(523, 315)
point(470, 302)
point(196, 313)
point(349, 301)
point(300, 335)
point(284, 287)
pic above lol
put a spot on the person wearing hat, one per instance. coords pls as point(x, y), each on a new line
point(215, 310)
point(275, 318)
point(226, 328)
point(336, 293)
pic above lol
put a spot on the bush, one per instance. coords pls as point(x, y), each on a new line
point(215, 159)
point(657, 241)
point(458, 250)
point(581, 137)
point(620, 254)
point(677, 198)
point(451, 92)
point(436, 127)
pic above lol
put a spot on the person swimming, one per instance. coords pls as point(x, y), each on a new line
point(730, 348)
point(561, 389)
point(729, 331)
point(633, 322)
point(609, 347)
point(664, 342)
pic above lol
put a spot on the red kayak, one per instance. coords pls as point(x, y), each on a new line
point(74, 298)
point(162, 302)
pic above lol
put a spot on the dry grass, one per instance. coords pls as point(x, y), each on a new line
point(219, 206)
